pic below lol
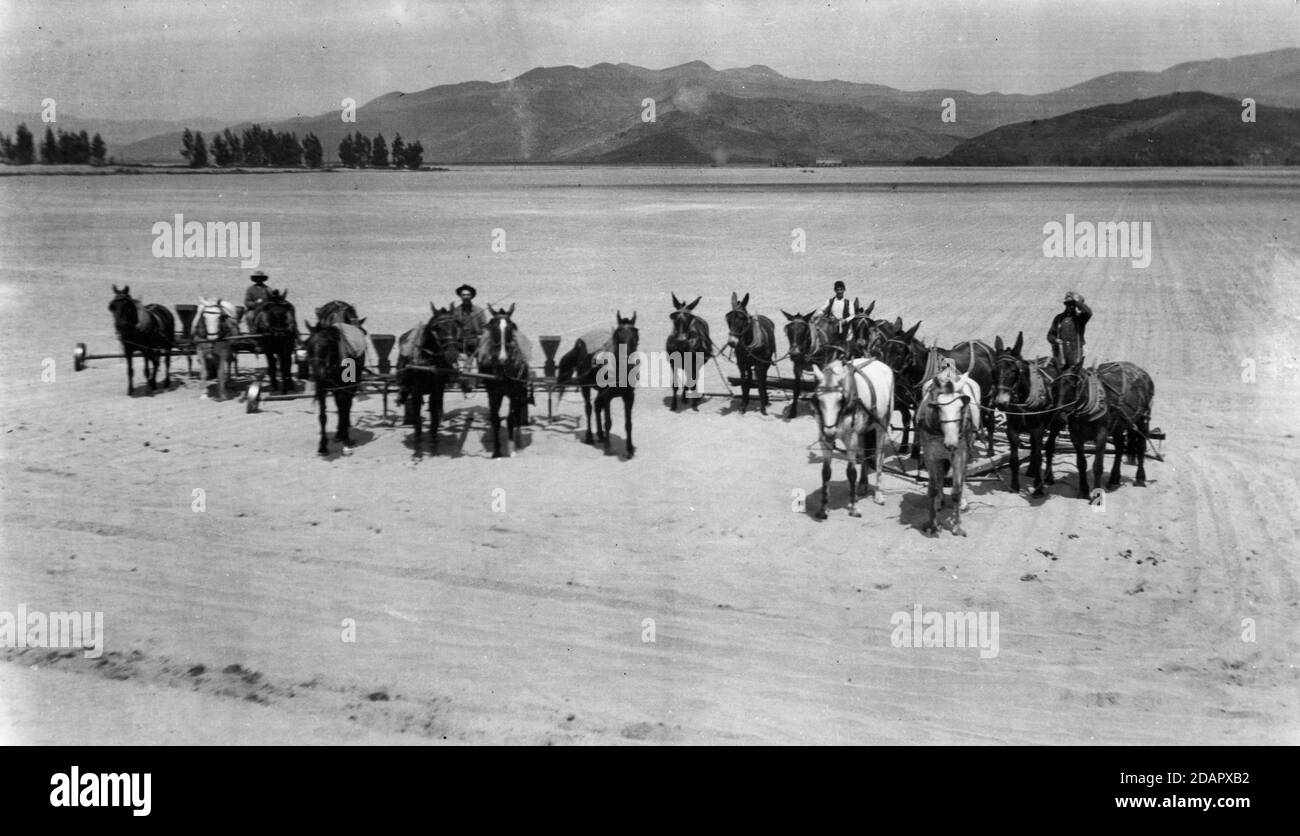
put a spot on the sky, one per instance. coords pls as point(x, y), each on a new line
point(182, 59)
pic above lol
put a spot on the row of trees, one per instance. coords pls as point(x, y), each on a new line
point(255, 147)
point(359, 151)
point(258, 146)
point(66, 147)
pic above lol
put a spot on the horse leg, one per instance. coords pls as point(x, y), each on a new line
point(343, 400)
point(880, 457)
point(586, 409)
point(130, 371)
point(1138, 439)
point(436, 393)
point(746, 381)
point(793, 409)
point(959, 500)
point(1053, 430)
point(762, 390)
point(991, 424)
point(1080, 461)
point(1013, 443)
point(1036, 458)
point(605, 414)
point(672, 362)
point(1119, 438)
point(629, 398)
point(853, 486)
point(934, 491)
point(323, 449)
point(826, 480)
point(494, 417)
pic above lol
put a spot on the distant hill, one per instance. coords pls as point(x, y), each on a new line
point(1177, 129)
point(558, 114)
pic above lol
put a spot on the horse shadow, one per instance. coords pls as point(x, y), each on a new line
point(453, 432)
point(685, 404)
point(337, 450)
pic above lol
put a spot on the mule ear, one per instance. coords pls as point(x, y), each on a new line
point(734, 298)
point(788, 316)
point(115, 290)
point(692, 305)
point(618, 317)
point(870, 307)
point(511, 312)
point(1020, 343)
point(491, 310)
point(433, 307)
point(362, 321)
point(676, 302)
point(998, 346)
point(744, 302)
point(632, 321)
point(911, 332)
point(898, 323)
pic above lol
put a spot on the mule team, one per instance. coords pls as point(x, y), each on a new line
point(865, 369)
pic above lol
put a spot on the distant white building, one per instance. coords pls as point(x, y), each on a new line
point(829, 161)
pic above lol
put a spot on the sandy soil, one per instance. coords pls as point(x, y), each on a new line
point(506, 601)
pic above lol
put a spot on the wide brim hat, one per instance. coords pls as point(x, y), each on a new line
point(259, 276)
point(470, 288)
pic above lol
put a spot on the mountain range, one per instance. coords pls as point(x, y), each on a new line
point(751, 114)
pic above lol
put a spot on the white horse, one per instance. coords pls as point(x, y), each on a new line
point(947, 419)
point(851, 399)
point(214, 330)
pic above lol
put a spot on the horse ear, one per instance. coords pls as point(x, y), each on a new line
point(911, 332)
point(898, 323)
point(788, 316)
point(618, 317)
point(511, 312)
point(115, 290)
point(676, 302)
point(491, 310)
point(1020, 343)
point(870, 308)
point(633, 320)
point(433, 307)
point(734, 298)
point(692, 305)
point(998, 346)
point(743, 302)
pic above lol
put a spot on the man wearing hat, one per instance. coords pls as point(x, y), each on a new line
point(472, 320)
point(1066, 333)
point(255, 295)
point(839, 309)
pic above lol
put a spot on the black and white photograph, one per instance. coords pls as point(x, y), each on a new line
point(630, 373)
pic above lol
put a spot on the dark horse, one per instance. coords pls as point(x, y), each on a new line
point(689, 348)
point(617, 377)
point(862, 330)
point(1113, 401)
point(501, 356)
point(1023, 390)
point(277, 322)
point(338, 312)
point(753, 338)
point(434, 347)
point(814, 341)
point(148, 329)
point(578, 368)
point(913, 364)
point(337, 357)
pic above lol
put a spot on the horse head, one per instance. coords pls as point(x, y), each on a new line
point(738, 319)
point(1009, 372)
point(442, 335)
point(625, 332)
point(832, 396)
point(946, 408)
point(500, 335)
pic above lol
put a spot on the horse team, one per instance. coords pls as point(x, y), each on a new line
point(865, 369)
